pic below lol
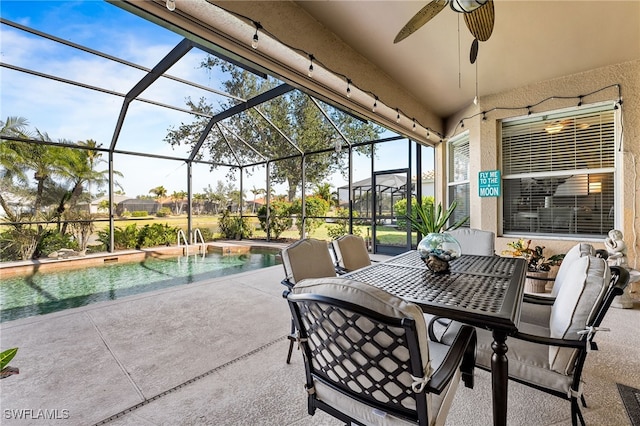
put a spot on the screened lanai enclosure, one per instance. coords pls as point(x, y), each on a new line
point(118, 132)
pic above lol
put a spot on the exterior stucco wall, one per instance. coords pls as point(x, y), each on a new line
point(485, 145)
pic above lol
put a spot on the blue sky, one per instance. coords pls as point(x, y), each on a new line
point(77, 114)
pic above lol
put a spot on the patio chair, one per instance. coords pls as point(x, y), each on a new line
point(367, 357)
point(307, 258)
point(551, 357)
point(475, 241)
point(350, 253)
point(536, 308)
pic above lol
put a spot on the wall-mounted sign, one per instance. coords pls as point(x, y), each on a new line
point(489, 183)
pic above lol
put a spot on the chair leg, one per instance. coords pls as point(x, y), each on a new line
point(469, 363)
point(290, 350)
point(576, 414)
point(292, 339)
point(584, 401)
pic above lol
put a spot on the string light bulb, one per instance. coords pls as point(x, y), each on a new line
point(375, 104)
point(414, 125)
point(348, 88)
point(171, 5)
point(310, 73)
point(398, 116)
point(475, 100)
point(254, 42)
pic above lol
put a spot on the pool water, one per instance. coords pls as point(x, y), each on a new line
point(38, 294)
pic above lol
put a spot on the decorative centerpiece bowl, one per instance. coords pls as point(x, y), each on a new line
point(437, 249)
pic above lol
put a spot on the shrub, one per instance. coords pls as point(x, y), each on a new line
point(315, 206)
point(279, 218)
point(140, 213)
point(207, 234)
point(342, 224)
point(126, 238)
point(400, 209)
point(54, 241)
point(130, 237)
point(163, 212)
point(234, 226)
point(155, 235)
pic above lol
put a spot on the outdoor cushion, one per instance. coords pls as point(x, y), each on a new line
point(351, 252)
point(475, 241)
point(576, 303)
point(537, 313)
point(308, 258)
point(576, 252)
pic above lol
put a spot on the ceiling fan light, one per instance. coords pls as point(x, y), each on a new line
point(466, 6)
point(555, 127)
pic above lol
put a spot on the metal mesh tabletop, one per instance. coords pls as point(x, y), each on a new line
point(475, 283)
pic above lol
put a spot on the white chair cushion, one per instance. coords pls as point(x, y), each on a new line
point(475, 241)
point(576, 252)
point(308, 258)
point(527, 361)
point(576, 303)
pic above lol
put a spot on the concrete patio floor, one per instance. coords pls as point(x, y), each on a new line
point(213, 352)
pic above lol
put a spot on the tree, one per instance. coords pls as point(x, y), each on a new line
point(294, 114)
point(159, 191)
point(178, 198)
point(48, 178)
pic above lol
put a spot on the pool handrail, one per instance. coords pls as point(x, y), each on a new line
point(184, 238)
point(196, 232)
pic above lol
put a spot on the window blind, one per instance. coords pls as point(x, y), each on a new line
point(458, 173)
point(558, 173)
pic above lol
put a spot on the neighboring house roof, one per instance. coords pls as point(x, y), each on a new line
point(116, 199)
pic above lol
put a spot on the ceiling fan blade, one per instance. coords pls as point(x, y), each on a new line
point(473, 54)
point(419, 19)
point(480, 21)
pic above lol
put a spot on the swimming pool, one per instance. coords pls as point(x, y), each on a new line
point(42, 293)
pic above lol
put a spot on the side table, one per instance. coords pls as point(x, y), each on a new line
point(624, 301)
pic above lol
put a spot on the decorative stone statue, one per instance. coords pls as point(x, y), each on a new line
point(616, 248)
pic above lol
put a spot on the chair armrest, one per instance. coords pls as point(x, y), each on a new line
point(340, 270)
point(287, 283)
point(550, 341)
point(462, 350)
point(538, 299)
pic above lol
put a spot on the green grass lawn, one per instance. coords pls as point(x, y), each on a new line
point(386, 235)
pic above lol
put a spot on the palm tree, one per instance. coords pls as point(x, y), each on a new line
point(159, 191)
point(178, 200)
point(256, 191)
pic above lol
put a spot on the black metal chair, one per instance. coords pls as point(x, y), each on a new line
point(550, 357)
point(367, 357)
point(307, 258)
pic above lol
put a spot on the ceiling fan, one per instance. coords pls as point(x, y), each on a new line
point(479, 16)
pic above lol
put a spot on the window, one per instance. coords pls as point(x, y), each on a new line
point(558, 173)
point(459, 176)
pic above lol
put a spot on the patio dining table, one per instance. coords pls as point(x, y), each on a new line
point(483, 291)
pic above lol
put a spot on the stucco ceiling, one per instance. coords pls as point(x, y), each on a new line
point(532, 41)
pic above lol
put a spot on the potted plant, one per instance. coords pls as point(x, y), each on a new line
point(5, 357)
point(538, 265)
point(437, 247)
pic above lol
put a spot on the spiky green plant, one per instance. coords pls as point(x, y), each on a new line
point(432, 218)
